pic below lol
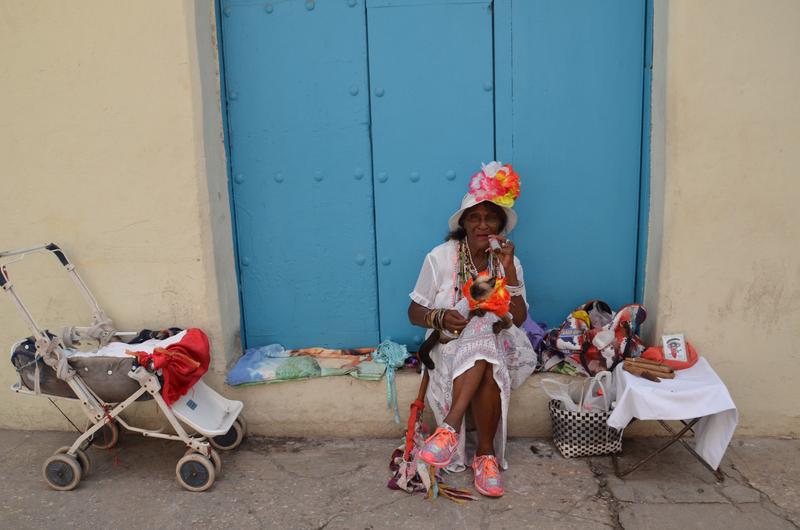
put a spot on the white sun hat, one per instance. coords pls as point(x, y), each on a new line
point(495, 183)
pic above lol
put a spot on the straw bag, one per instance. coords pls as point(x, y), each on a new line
point(579, 433)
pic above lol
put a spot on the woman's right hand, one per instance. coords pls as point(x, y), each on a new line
point(454, 321)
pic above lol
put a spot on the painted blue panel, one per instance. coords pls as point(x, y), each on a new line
point(503, 80)
point(432, 124)
point(576, 122)
point(298, 111)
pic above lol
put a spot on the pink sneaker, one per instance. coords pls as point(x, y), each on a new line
point(487, 476)
point(439, 447)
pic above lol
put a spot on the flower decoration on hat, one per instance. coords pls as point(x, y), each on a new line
point(495, 182)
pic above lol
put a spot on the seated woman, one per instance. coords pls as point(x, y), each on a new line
point(474, 371)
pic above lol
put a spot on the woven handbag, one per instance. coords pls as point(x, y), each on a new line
point(583, 433)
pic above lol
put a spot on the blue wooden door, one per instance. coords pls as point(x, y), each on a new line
point(354, 128)
point(570, 77)
point(432, 124)
point(298, 131)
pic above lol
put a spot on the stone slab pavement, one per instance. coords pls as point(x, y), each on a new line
point(295, 483)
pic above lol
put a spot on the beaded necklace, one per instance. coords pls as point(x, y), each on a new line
point(465, 268)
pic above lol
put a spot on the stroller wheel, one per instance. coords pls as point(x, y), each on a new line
point(195, 472)
point(82, 457)
point(215, 459)
point(231, 439)
point(62, 472)
point(242, 422)
point(107, 436)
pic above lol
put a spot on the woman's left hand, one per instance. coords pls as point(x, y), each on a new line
point(506, 252)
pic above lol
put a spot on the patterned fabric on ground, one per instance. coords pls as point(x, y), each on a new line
point(272, 363)
point(412, 475)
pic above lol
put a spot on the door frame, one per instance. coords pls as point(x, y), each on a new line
point(226, 140)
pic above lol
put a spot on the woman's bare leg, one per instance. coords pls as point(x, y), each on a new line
point(486, 410)
point(464, 388)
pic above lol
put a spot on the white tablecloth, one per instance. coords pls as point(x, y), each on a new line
point(696, 392)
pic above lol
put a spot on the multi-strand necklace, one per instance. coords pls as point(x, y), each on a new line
point(465, 268)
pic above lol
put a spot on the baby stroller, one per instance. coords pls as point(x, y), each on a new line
point(106, 384)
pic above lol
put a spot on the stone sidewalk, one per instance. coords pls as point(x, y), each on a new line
point(280, 483)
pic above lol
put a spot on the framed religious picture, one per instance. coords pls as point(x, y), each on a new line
point(674, 347)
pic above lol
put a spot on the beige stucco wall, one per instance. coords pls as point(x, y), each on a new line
point(724, 264)
point(110, 141)
point(110, 137)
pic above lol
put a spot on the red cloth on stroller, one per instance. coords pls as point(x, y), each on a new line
point(182, 364)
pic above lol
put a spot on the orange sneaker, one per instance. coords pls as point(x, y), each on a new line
point(439, 447)
point(487, 476)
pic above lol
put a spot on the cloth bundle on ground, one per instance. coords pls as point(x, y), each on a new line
point(273, 363)
point(593, 338)
point(412, 475)
point(535, 331)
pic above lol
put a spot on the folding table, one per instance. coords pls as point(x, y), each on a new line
point(697, 397)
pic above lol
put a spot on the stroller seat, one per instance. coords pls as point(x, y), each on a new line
point(105, 369)
point(106, 375)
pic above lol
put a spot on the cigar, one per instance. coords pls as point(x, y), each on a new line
point(657, 366)
point(640, 372)
point(647, 362)
point(660, 372)
point(644, 361)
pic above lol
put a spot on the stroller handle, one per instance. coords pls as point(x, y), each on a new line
point(52, 247)
point(102, 327)
point(17, 252)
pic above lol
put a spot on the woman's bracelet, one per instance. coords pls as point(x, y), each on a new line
point(516, 290)
point(439, 321)
point(435, 319)
point(427, 320)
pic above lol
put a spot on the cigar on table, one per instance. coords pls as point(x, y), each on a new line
point(664, 374)
point(641, 372)
point(655, 369)
point(635, 368)
point(648, 363)
point(659, 367)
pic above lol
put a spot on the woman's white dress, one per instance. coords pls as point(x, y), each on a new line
point(510, 352)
